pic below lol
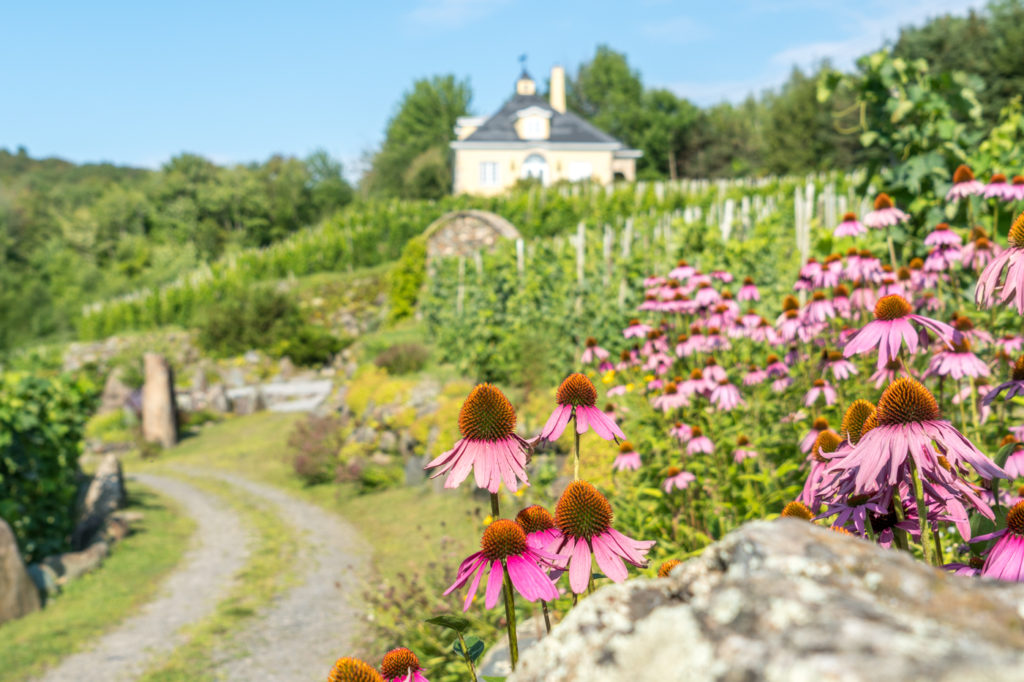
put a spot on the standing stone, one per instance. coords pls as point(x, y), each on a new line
point(18, 593)
point(104, 496)
point(159, 411)
point(115, 393)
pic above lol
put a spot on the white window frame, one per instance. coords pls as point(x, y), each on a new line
point(533, 128)
point(489, 174)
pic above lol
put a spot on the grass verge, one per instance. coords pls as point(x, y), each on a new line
point(268, 572)
point(93, 604)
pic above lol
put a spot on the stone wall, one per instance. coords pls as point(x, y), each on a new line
point(464, 232)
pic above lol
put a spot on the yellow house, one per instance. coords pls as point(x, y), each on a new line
point(534, 137)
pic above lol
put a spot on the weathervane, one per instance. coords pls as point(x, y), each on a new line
point(522, 61)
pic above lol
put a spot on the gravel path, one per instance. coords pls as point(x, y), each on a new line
point(220, 548)
point(300, 635)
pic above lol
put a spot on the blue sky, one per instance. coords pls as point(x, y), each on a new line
point(138, 82)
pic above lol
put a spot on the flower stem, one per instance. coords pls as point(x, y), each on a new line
point(892, 249)
point(510, 618)
point(899, 536)
point(938, 549)
point(465, 656)
point(576, 449)
point(922, 515)
point(495, 514)
point(547, 618)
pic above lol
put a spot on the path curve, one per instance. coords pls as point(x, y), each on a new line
point(219, 549)
point(304, 631)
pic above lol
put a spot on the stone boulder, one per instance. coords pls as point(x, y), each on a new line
point(18, 593)
point(116, 393)
point(786, 600)
point(104, 496)
point(159, 411)
point(73, 565)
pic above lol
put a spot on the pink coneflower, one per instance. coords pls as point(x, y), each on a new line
point(964, 184)
point(883, 376)
point(539, 526)
point(958, 362)
point(820, 388)
point(817, 426)
point(755, 375)
point(1010, 343)
point(628, 458)
point(636, 328)
point(891, 326)
point(999, 188)
point(682, 271)
point(671, 399)
point(1017, 187)
point(489, 445)
point(593, 352)
point(1013, 387)
point(348, 669)
point(819, 308)
point(743, 450)
point(680, 432)
point(678, 479)
point(775, 367)
point(748, 292)
point(908, 424)
point(827, 442)
point(978, 254)
point(781, 384)
point(576, 396)
point(1005, 560)
point(504, 546)
point(971, 568)
point(585, 519)
point(850, 226)
point(943, 236)
point(840, 367)
point(402, 665)
point(699, 442)
point(993, 287)
point(725, 396)
point(885, 214)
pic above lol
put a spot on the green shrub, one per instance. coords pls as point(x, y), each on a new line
point(112, 427)
point(314, 443)
point(403, 358)
point(407, 278)
point(42, 421)
point(377, 477)
point(247, 318)
point(311, 345)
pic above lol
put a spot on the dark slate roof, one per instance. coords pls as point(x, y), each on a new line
point(567, 127)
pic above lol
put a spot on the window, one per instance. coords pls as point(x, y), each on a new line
point(488, 173)
point(580, 170)
point(533, 128)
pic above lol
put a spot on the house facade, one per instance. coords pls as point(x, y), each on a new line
point(535, 137)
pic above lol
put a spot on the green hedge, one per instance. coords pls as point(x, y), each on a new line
point(42, 421)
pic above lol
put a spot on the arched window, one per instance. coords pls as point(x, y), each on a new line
point(535, 166)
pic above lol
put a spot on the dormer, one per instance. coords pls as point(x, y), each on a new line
point(533, 123)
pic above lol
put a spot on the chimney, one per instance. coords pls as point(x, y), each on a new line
point(558, 89)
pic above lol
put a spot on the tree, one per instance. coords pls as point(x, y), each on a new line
point(414, 161)
point(329, 187)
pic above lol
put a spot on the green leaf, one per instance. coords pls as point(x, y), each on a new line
point(476, 647)
point(868, 138)
point(457, 623)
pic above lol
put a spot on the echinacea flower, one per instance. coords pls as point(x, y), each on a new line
point(958, 362)
point(504, 546)
point(820, 388)
point(964, 184)
point(797, 510)
point(489, 445)
point(978, 254)
point(748, 292)
point(348, 669)
point(943, 236)
point(402, 665)
point(678, 479)
point(849, 227)
point(999, 188)
point(743, 451)
point(885, 214)
point(539, 526)
point(628, 458)
point(1013, 387)
point(699, 442)
point(585, 519)
point(636, 328)
point(666, 567)
point(817, 426)
point(1005, 560)
point(593, 351)
point(891, 326)
point(1002, 280)
point(681, 432)
point(577, 397)
point(725, 396)
point(910, 428)
point(827, 442)
point(840, 367)
point(971, 568)
point(670, 399)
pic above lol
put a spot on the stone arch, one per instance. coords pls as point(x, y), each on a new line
point(461, 233)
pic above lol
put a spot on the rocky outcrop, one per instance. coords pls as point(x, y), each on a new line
point(785, 600)
point(103, 497)
point(159, 411)
point(18, 594)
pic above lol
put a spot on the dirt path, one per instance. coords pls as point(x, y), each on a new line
point(219, 550)
point(303, 632)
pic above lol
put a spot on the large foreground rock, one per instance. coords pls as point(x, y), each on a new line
point(788, 601)
point(18, 593)
point(159, 411)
